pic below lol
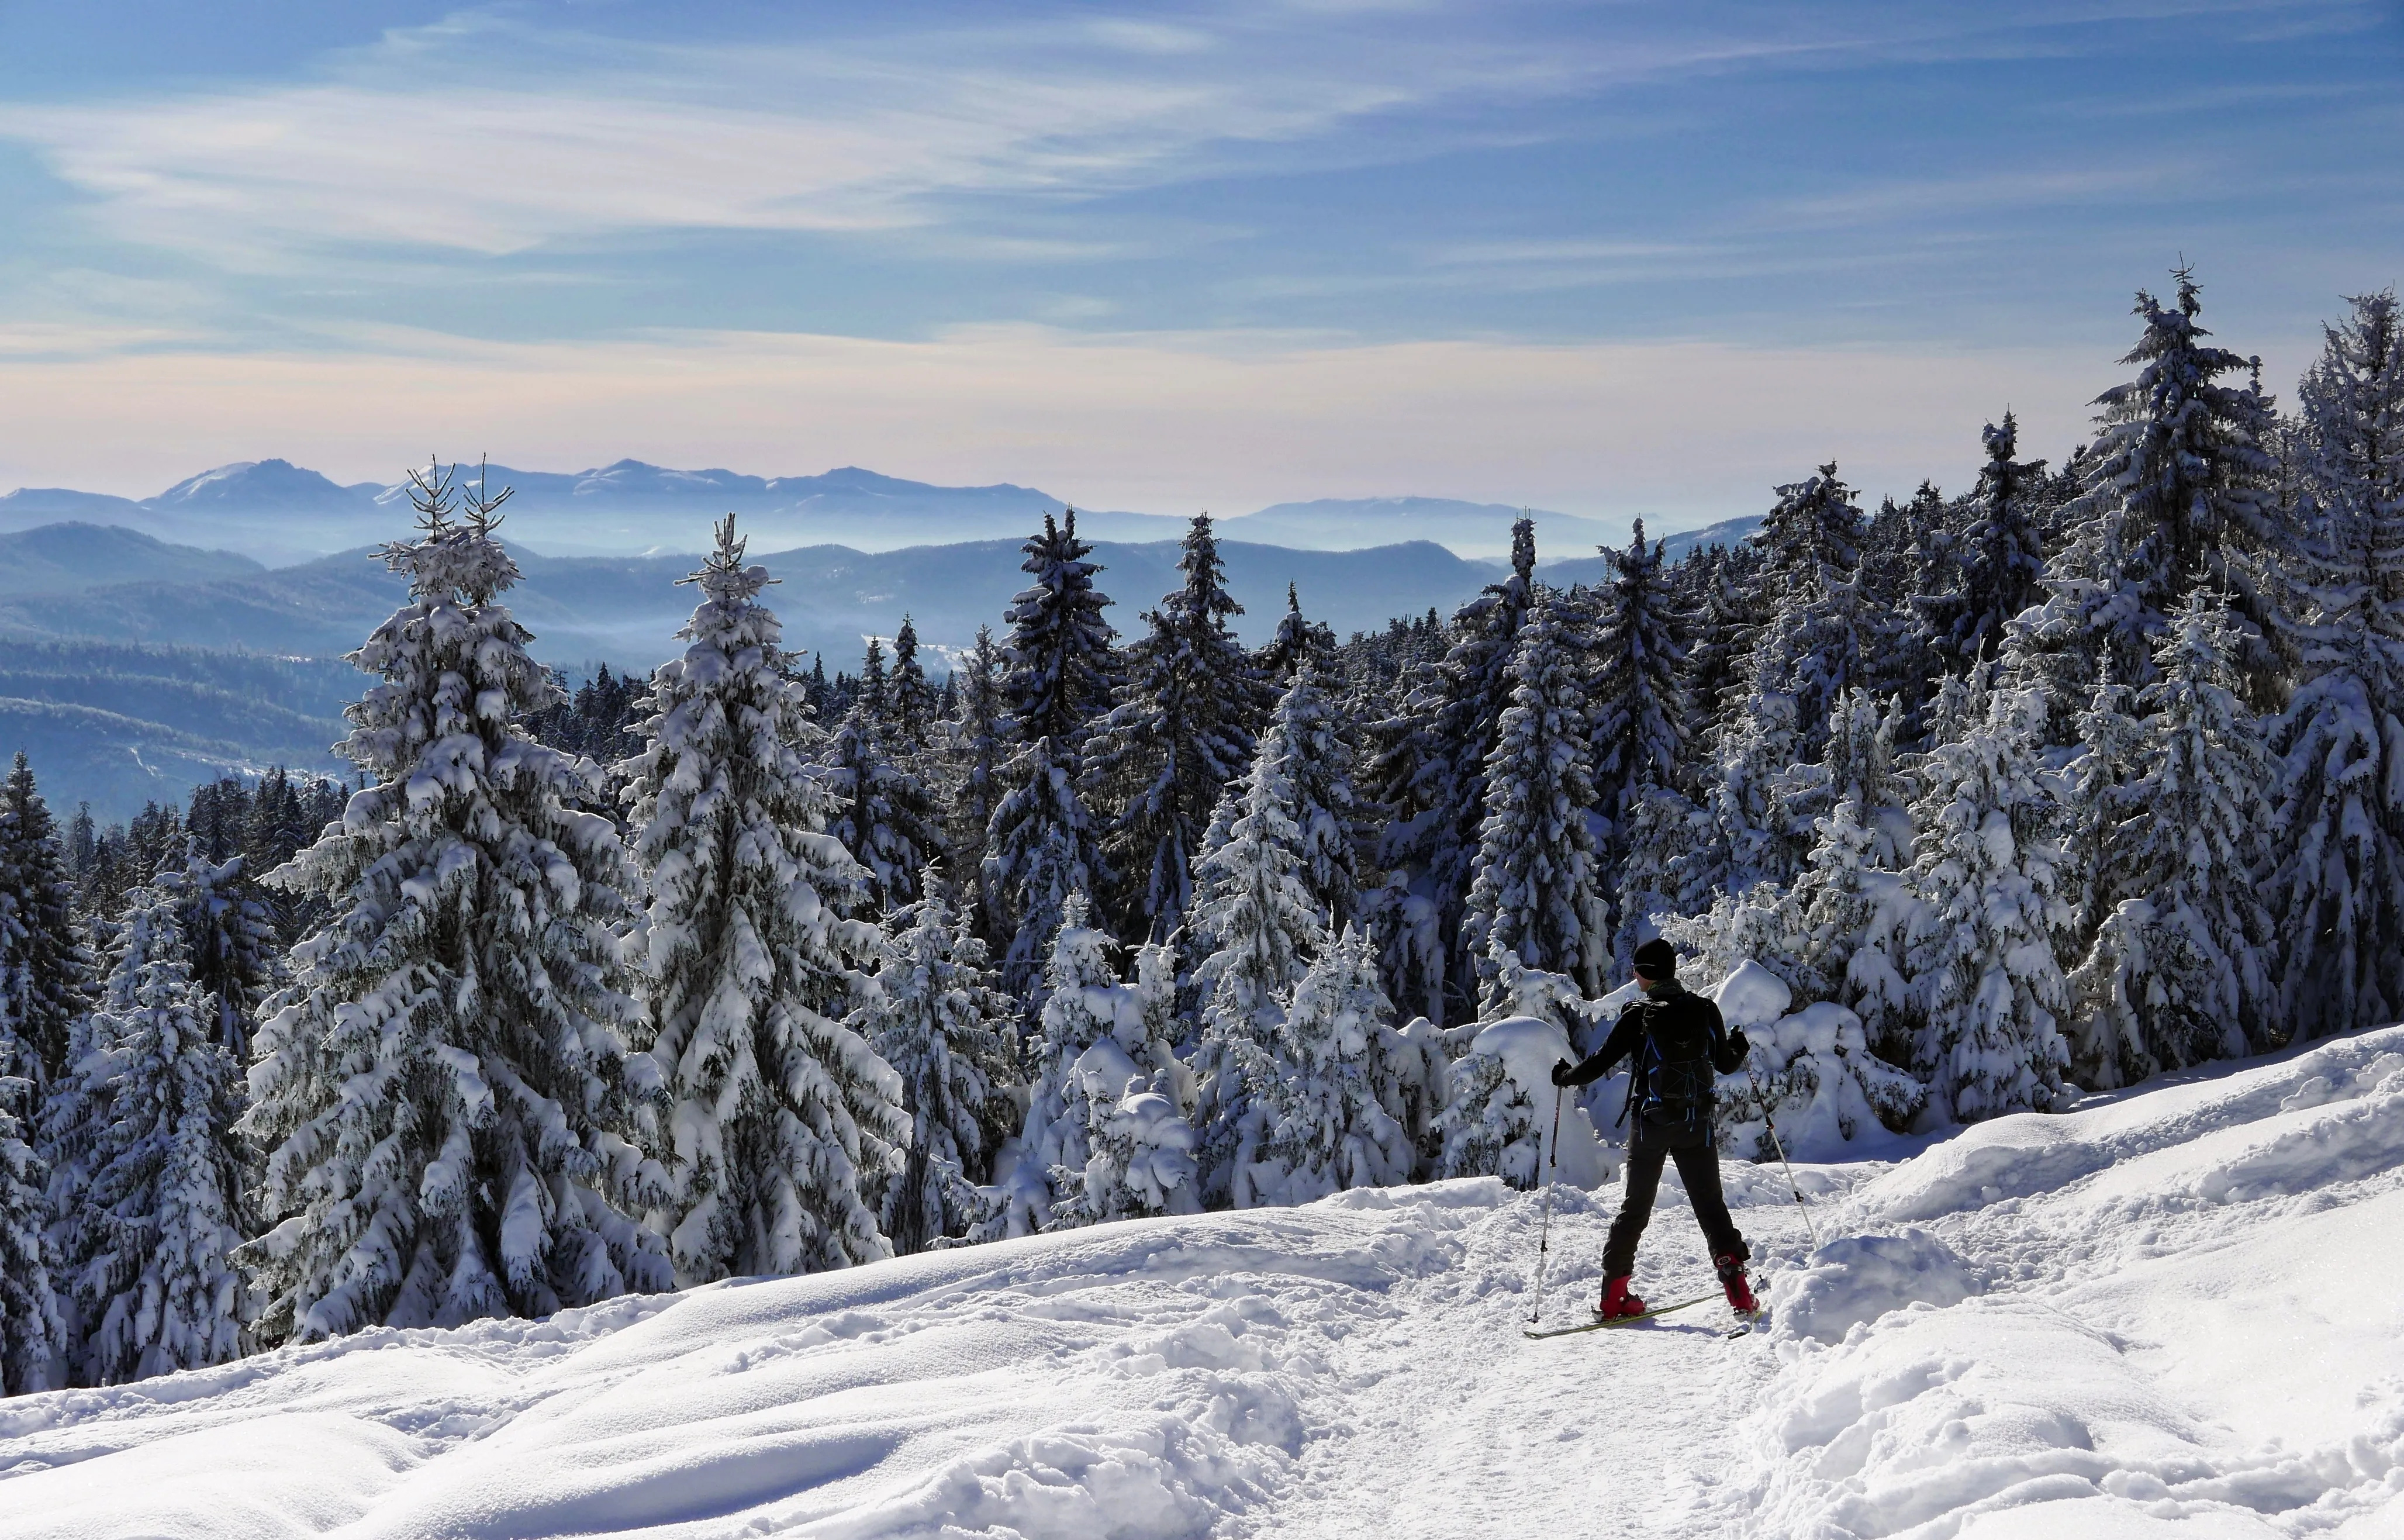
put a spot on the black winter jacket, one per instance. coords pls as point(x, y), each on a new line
point(1628, 1034)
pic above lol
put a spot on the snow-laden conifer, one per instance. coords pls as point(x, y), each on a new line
point(977, 751)
point(230, 938)
point(1194, 703)
point(46, 975)
point(2177, 477)
point(32, 1335)
point(1434, 841)
point(883, 813)
point(1262, 930)
point(1095, 1034)
point(2193, 970)
point(936, 1018)
point(1042, 844)
point(1635, 712)
point(781, 1125)
point(146, 1251)
point(1981, 942)
point(1325, 1106)
point(444, 1092)
point(1298, 638)
point(2339, 886)
point(1317, 758)
point(1535, 892)
point(2001, 554)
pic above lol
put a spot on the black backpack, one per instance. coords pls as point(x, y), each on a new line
point(1673, 1078)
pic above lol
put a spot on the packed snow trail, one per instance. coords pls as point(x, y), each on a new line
point(2178, 1306)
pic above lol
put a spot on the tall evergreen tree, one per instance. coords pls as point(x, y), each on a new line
point(229, 938)
point(782, 1125)
point(1636, 713)
point(1465, 702)
point(45, 973)
point(1536, 890)
point(445, 1091)
point(2188, 960)
point(1185, 728)
point(883, 812)
point(1307, 734)
point(936, 1018)
point(1981, 944)
point(32, 1336)
point(978, 734)
point(2001, 554)
point(1823, 634)
point(1042, 844)
point(913, 705)
point(148, 1245)
point(2339, 886)
point(1262, 930)
point(1324, 1100)
point(2177, 477)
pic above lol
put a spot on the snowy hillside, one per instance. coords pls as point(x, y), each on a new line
point(2176, 1303)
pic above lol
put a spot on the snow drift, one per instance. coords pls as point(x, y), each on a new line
point(2171, 1311)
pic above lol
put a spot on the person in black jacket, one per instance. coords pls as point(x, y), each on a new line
point(1677, 1041)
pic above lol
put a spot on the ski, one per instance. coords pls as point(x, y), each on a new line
point(1744, 1326)
point(1533, 1335)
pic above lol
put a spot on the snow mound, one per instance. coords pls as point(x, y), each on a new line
point(1854, 1281)
point(1752, 997)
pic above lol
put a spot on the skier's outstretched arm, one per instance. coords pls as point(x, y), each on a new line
point(1617, 1047)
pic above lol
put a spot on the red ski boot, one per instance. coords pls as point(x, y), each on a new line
point(1739, 1293)
point(1618, 1303)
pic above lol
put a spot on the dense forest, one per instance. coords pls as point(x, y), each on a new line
point(2087, 772)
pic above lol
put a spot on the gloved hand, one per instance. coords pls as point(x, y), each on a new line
point(1562, 1073)
point(1737, 1040)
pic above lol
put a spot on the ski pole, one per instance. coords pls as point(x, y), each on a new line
point(1772, 1123)
point(1545, 1232)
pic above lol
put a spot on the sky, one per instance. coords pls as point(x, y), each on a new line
point(1598, 258)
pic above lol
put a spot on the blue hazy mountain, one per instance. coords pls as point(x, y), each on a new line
point(280, 513)
point(65, 558)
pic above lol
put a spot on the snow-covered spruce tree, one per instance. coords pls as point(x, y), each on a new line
point(977, 748)
point(230, 939)
point(1264, 931)
point(781, 1127)
point(1326, 1123)
point(1635, 713)
point(1316, 756)
point(2338, 887)
point(936, 1018)
point(45, 972)
point(444, 1091)
point(911, 706)
point(882, 813)
point(32, 1336)
point(1535, 889)
point(1185, 727)
point(1042, 844)
point(1298, 638)
point(2002, 552)
point(1748, 834)
point(2097, 800)
point(1085, 1007)
point(1404, 779)
point(1981, 942)
point(1820, 639)
point(1141, 1160)
point(2194, 857)
point(1464, 703)
point(145, 1253)
point(2177, 477)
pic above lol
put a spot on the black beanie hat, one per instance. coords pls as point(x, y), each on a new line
point(1656, 961)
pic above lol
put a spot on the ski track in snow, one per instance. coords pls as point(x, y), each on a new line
point(2173, 1311)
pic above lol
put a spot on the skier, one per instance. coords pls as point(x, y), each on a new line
point(1677, 1040)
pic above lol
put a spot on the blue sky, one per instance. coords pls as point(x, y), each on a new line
point(1592, 256)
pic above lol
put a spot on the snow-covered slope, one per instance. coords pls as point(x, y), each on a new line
point(2175, 1313)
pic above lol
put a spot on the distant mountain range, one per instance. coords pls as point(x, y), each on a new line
point(279, 513)
point(131, 667)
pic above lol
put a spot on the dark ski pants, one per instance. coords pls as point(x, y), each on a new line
point(1698, 1168)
